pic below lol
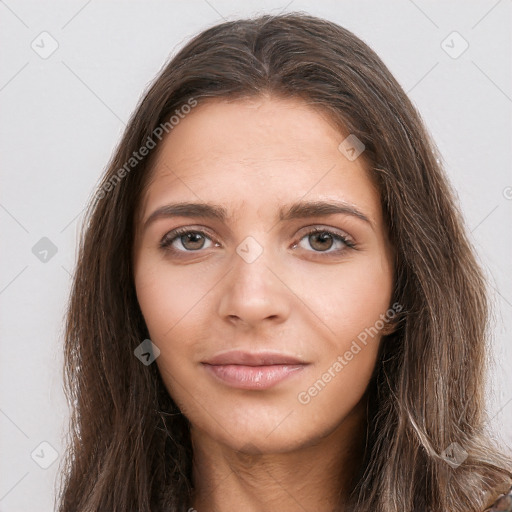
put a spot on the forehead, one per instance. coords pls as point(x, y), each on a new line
point(258, 150)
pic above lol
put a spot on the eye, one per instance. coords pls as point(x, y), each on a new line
point(323, 240)
point(185, 240)
point(317, 240)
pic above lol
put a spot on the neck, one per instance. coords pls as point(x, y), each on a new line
point(317, 477)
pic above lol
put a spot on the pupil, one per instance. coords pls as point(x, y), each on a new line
point(323, 237)
point(194, 238)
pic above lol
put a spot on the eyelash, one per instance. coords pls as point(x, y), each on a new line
point(175, 234)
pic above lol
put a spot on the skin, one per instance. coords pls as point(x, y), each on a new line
point(260, 450)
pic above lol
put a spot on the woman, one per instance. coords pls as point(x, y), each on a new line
point(276, 306)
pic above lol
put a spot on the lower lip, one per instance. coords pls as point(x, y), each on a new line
point(253, 377)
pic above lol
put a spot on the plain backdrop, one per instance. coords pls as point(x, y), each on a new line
point(71, 74)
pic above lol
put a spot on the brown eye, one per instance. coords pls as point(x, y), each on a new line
point(192, 241)
point(185, 240)
point(321, 241)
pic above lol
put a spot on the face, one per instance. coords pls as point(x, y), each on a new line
point(263, 271)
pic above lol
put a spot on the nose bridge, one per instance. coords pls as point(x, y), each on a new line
point(251, 269)
point(252, 292)
point(251, 275)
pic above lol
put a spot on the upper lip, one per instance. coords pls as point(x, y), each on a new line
point(253, 358)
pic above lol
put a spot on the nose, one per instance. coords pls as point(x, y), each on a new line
point(254, 293)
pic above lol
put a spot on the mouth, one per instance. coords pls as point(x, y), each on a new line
point(257, 371)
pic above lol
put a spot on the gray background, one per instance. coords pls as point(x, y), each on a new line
point(62, 116)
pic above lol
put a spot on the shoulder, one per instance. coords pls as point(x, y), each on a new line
point(503, 503)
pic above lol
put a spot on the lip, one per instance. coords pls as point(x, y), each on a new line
point(256, 371)
point(253, 358)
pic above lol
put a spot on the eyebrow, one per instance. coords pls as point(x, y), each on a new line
point(300, 210)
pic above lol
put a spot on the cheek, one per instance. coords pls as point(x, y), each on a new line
point(170, 298)
point(170, 301)
point(349, 300)
point(353, 302)
point(174, 303)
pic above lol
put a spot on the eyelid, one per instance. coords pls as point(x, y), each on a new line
point(338, 235)
point(321, 228)
point(174, 234)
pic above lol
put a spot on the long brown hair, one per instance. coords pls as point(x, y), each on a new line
point(129, 446)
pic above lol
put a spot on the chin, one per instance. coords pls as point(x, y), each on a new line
point(256, 432)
